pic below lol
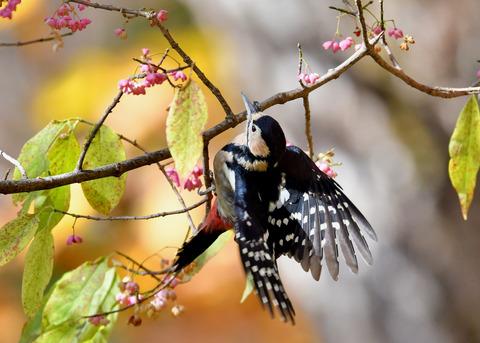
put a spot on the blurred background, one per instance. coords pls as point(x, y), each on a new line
point(392, 142)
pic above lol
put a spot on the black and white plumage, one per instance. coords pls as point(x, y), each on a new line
point(280, 203)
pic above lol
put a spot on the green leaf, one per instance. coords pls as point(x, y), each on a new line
point(15, 235)
point(32, 328)
point(80, 330)
point(46, 201)
point(213, 250)
point(71, 299)
point(103, 300)
point(185, 124)
point(104, 194)
point(63, 154)
point(33, 156)
point(248, 288)
point(464, 151)
point(58, 334)
point(38, 271)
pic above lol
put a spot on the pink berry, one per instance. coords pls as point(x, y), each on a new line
point(180, 75)
point(118, 32)
point(189, 185)
point(121, 298)
point(196, 182)
point(132, 287)
point(144, 68)
point(94, 320)
point(324, 167)
point(391, 32)
point(145, 51)
point(51, 22)
point(61, 22)
point(335, 47)
point(398, 34)
point(162, 15)
point(478, 73)
point(313, 77)
point(173, 175)
point(301, 76)
point(331, 173)
point(377, 30)
point(74, 239)
point(345, 44)
point(327, 45)
point(197, 171)
point(81, 7)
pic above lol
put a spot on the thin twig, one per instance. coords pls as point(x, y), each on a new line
point(300, 63)
point(140, 265)
point(33, 41)
point(308, 130)
point(15, 163)
point(95, 129)
point(142, 273)
point(151, 15)
point(175, 190)
point(150, 216)
point(384, 39)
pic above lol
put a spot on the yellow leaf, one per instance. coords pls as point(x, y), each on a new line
point(185, 124)
point(464, 151)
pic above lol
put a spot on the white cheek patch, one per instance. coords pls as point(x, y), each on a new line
point(230, 175)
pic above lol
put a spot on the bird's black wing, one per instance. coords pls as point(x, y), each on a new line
point(313, 216)
point(257, 256)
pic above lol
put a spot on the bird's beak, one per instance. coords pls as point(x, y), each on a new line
point(251, 109)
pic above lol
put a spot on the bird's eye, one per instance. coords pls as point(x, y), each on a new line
point(254, 128)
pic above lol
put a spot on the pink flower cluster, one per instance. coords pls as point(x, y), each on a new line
point(152, 77)
point(343, 45)
point(161, 298)
point(161, 16)
point(129, 292)
point(130, 86)
point(64, 18)
point(397, 33)
point(124, 299)
point(98, 320)
point(308, 78)
point(326, 168)
point(10, 7)
point(193, 181)
point(325, 163)
point(178, 75)
point(74, 239)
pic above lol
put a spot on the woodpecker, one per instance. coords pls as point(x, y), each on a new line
point(279, 203)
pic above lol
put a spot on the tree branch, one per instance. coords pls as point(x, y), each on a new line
point(113, 169)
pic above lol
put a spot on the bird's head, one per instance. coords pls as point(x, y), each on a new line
point(265, 137)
